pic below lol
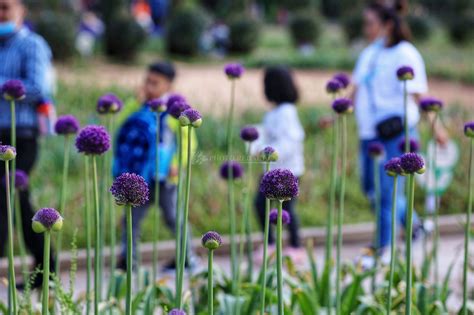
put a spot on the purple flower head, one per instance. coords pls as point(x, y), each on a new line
point(268, 154)
point(130, 189)
point(393, 167)
point(285, 216)
point(231, 166)
point(109, 104)
point(175, 98)
point(93, 140)
point(234, 70)
point(191, 117)
point(176, 311)
point(7, 152)
point(343, 79)
point(66, 125)
point(469, 129)
point(375, 149)
point(342, 105)
point(158, 105)
point(21, 180)
point(413, 146)
point(279, 184)
point(177, 107)
point(405, 73)
point(412, 163)
point(249, 133)
point(47, 219)
point(211, 240)
point(13, 90)
point(333, 86)
point(431, 104)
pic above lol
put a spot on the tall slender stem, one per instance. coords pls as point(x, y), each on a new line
point(47, 245)
point(436, 207)
point(11, 265)
point(210, 284)
point(21, 239)
point(468, 227)
point(409, 232)
point(405, 117)
point(12, 295)
point(247, 217)
point(279, 250)
point(393, 246)
point(378, 206)
point(88, 224)
point(111, 209)
point(265, 249)
point(128, 303)
point(178, 226)
point(97, 275)
point(157, 200)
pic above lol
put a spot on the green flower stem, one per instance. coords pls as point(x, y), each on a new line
point(377, 217)
point(185, 223)
point(178, 226)
point(11, 265)
point(111, 208)
point(11, 294)
point(468, 227)
point(21, 239)
point(265, 249)
point(128, 303)
point(340, 214)
point(405, 117)
point(247, 218)
point(210, 284)
point(279, 250)
point(62, 200)
point(393, 244)
point(97, 275)
point(88, 223)
point(45, 293)
point(156, 216)
point(409, 232)
point(436, 209)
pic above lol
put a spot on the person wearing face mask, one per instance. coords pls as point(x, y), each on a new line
point(24, 56)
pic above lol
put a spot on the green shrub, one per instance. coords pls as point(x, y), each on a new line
point(244, 34)
point(123, 37)
point(59, 31)
point(461, 29)
point(420, 26)
point(184, 31)
point(304, 28)
point(352, 25)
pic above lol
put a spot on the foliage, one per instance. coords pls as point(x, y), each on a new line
point(352, 25)
point(244, 34)
point(420, 26)
point(304, 28)
point(123, 37)
point(59, 30)
point(461, 28)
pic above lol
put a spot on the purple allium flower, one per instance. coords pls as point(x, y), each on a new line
point(191, 117)
point(285, 216)
point(375, 149)
point(21, 180)
point(405, 73)
point(279, 184)
point(343, 78)
point(211, 240)
point(109, 104)
point(13, 90)
point(469, 129)
point(333, 86)
point(414, 146)
point(130, 189)
point(158, 105)
point(234, 70)
point(176, 311)
point(342, 105)
point(47, 219)
point(268, 154)
point(236, 167)
point(412, 163)
point(393, 167)
point(66, 125)
point(93, 140)
point(7, 152)
point(175, 98)
point(431, 104)
point(177, 107)
point(249, 133)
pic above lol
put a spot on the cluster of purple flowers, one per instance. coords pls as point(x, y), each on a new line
point(431, 104)
point(234, 70)
point(109, 104)
point(7, 152)
point(342, 105)
point(405, 73)
point(285, 216)
point(268, 154)
point(66, 125)
point(412, 163)
point(47, 219)
point(469, 129)
point(130, 189)
point(211, 240)
point(337, 83)
point(393, 167)
point(375, 149)
point(158, 105)
point(93, 140)
point(191, 117)
point(413, 146)
point(231, 166)
point(249, 133)
point(13, 90)
point(279, 184)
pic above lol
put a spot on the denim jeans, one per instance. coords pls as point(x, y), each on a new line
point(384, 221)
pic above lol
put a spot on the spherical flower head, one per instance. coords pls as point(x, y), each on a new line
point(469, 129)
point(413, 146)
point(93, 140)
point(66, 125)
point(375, 149)
point(405, 73)
point(175, 98)
point(268, 154)
point(13, 90)
point(393, 167)
point(431, 104)
point(7, 152)
point(109, 104)
point(333, 86)
point(342, 105)
point(130, 189)
point(21, 180)
point(343, 79)
point(285, 216)
point(234, 166)
point(176, 108)
point(190, 117)
point(249, 133)
point(234, 70)
point(412, 163)
point(211, 240)
point(176, 311)
point(157, 105)
point(47, 219)
point(279, 184)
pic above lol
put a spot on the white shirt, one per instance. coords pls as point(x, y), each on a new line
point(282, 130)
point(379, 92)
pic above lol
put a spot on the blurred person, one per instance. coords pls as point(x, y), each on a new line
point(25, 56)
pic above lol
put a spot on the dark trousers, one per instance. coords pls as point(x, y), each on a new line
point(293, 227)
point(27, 152)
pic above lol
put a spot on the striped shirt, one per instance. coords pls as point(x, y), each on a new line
point(25, 56)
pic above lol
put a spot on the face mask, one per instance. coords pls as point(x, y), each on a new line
point(7, 28)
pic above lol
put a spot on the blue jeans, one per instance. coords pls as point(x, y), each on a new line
point(384, 221)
